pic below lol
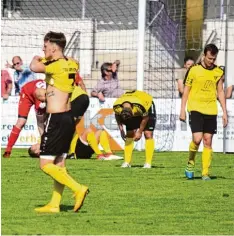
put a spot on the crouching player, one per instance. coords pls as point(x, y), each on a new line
point(136, 110)
point(86, 146)
point(32, 93)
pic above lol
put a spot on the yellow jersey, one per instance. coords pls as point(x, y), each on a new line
point(77, 92)
point(61, 74)
point(140, 101)
point(203, 89)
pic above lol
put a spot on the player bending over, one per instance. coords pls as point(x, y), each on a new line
point(31, 94)
point(136, 110)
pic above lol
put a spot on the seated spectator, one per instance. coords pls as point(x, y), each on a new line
point(108, 86)
point(6, 84)
point(85, 146)
point(22, 74)
point(188, 62)
point(230, 89)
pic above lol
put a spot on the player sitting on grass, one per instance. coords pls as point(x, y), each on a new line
point(32, 93)
point(85, 146)
point(136, 110)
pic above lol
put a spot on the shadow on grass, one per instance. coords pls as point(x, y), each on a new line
point(212, 178)
point(66, 208)
point(141, 166)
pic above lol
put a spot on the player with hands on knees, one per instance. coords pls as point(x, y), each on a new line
point(136, 111)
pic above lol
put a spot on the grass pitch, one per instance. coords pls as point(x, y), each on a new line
point(121, 201)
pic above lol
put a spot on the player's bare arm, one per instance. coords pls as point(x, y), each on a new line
point(139, 132)
point(180, 86)
point(222, 100)
point(229, 91)
point(120, 125)
point(183, 103)
point(37, 65)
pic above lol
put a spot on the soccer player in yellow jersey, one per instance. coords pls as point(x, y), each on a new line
point(136, 110)
point(79, 105)
point(60, 125)
point(203, 84)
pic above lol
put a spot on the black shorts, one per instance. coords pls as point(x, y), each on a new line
point(58, 133)
point(134, 122)
point(83, 150)
point(80, 105)
point(202, 123)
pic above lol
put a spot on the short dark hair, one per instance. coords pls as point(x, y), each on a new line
point(211, 48)
point(126, 113)
point(57, 38)
point(188, 58)
point(105, 67)
point(31, 153)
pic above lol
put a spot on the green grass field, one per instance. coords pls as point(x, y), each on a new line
point(121, 201)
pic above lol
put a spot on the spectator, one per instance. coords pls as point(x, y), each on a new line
point(188, 62)
point(108, 86)
point(22, 74)
point(6, 84)
point(230, 89)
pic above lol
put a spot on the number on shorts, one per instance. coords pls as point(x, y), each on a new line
point(41, 84)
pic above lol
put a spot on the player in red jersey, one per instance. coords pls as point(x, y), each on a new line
point(32, 93)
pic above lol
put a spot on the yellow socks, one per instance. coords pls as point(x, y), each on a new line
point(60, 175)
point(192, 152)
point(206, 161)
point(57, 192)
point(149, 150)
point(129, 145)
point(104, 141)
point(93, 143)
point(73, 144)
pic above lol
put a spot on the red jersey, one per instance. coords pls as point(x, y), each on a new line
point(78, 78)
point(27, 97)
point(30, 87)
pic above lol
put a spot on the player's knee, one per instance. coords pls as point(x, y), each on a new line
point(197, 141)
point(20, 123)
point(207, 142)
point(148, 134)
